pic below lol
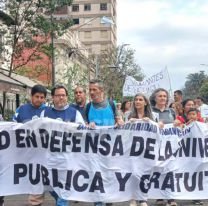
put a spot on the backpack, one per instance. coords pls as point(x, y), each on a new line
point(113, 107)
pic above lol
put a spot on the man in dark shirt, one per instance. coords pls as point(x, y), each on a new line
point(80, 99)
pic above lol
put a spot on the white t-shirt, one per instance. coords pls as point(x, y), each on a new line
point(204, 110)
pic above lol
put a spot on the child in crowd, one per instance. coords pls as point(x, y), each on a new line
point(192, 115)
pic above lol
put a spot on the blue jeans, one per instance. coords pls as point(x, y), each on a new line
point(59, 201)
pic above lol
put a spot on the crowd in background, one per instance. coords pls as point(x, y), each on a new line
point(100, 111)
point(159, 101)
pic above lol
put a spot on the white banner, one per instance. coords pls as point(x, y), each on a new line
point(148, 85)
point(134, 161)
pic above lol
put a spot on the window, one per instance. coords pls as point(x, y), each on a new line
point(87, 7)
point(87, 34)
point(76, 21)
point(103, 6)
point(103, 34)
point(75, 7)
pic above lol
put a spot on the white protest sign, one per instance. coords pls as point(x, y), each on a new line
point(148, 85)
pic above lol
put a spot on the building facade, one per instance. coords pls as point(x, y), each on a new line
point(71, 54)
point(90, 25)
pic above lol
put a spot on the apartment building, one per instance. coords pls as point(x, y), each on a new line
point(89, 23)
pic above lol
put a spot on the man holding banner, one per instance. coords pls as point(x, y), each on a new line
point(99, 112)
point(62, 111)
point(28, 112)
point(32, 110)
point(164, 115)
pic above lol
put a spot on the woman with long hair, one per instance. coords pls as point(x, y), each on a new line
point(141, 109)
point(126, 109)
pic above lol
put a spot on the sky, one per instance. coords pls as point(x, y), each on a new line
point(166, 33)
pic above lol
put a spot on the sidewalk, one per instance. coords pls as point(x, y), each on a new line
point(21, 200)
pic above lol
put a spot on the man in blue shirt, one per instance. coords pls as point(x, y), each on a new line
point(62, 111)
point(100, 111)
point(32, 110)
point(28, 112)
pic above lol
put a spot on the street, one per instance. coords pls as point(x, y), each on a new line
point(21, 200)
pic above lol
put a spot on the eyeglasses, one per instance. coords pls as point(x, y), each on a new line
point(60, 95)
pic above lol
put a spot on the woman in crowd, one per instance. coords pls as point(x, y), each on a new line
point(126, 108)
point(141, 109)
point(119, 111)
point(159, 101)
point(173, 106)
point(187, 105)
point(190, 114)
point(177, 107)
point(164, 115)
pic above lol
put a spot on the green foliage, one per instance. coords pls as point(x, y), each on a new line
point(75, 76)
point(203, 91)
point(8, 114)
point(32, 18)
point(47, 50)
point(193, 84)
point(117, 64)
point(6, 18)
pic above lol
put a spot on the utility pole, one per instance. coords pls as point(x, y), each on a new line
point(52, 53)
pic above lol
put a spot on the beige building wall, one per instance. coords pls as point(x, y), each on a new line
point(87, 15)
point(67, 55)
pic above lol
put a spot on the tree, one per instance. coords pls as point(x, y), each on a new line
point(41, 66)
point(203, 91)
point(193, 84)
point(32, 27)
point(73, 77)
point(116, 64)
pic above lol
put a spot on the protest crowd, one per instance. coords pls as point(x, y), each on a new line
point(100, 111)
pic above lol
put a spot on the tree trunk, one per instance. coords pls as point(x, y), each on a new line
point(3, 104)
